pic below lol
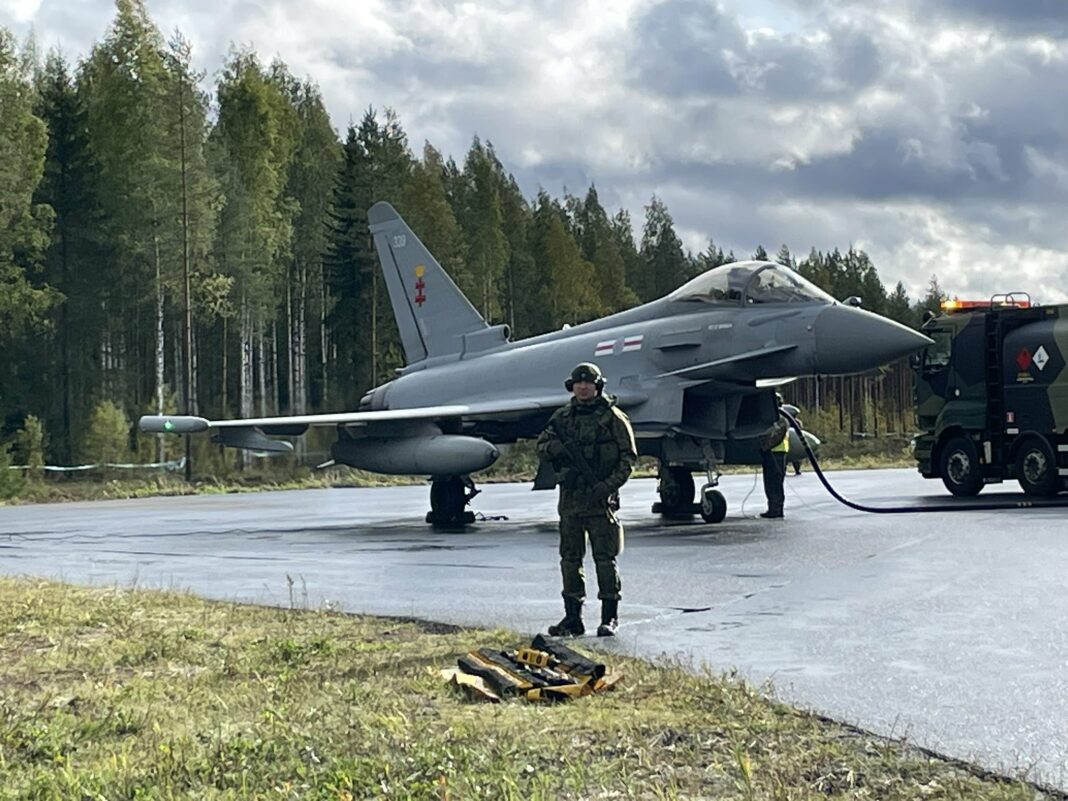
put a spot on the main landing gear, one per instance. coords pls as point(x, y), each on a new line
point(676, 489)
point(449, 497)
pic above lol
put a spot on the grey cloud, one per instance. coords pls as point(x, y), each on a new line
point(685, 48)
point(847, 62)
point(677, 49)
point(445, 72)
point(1045, 17)
point(1009, 17)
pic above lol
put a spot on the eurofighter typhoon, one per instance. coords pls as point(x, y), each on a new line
point(693, 370)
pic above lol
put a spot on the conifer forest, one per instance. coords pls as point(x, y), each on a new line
point(174, 243)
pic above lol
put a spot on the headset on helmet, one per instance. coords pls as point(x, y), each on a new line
point(587, 371)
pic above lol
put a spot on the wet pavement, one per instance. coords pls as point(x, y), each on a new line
point(946, 629)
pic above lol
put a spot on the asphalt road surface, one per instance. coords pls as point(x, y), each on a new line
point(946, 629)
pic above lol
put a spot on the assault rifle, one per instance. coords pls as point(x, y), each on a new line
point(546, 476)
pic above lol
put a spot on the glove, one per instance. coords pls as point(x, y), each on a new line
point(600, 492)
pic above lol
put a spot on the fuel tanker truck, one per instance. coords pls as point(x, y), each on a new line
point(991, 395)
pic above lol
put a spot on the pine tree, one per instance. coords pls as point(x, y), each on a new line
point(664, 262)
point(487, 247)
point(784, 257)
point(711, 257)
point(623, 234)
point(568, 295)
point(429, 214)
point(595, 236)
point(516, 221)
point(349, 271)
point(932, 301)
point(898, 306)
point(309, 186)
point(390, 162)
point(24, 225)
point(196, 198)
point(255, 136)
point(69, 376)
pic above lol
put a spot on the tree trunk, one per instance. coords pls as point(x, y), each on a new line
point(246, 371)
point(194, 371)
point(177, 363)
point(189, 403)
point(323, 346)
point(262, 373)
point(299, 403)
point(159, 344)
point(247, 392)
point(275, 384)
point(225, 409)
point(290, 347)
point(374, 329)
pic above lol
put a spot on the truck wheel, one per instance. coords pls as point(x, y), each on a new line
point(960, 467)
point(1036, 467)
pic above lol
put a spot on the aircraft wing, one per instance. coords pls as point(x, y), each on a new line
point(294, 425)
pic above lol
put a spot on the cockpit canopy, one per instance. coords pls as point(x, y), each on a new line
point(745, 282)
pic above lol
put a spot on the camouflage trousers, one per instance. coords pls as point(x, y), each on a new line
point(606, 541)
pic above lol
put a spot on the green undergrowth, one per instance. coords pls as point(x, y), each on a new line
point(121, 694)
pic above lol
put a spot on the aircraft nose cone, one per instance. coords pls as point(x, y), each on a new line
point(851, 340)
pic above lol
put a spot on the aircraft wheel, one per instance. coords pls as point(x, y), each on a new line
point(447, 501)
point(959, 467)
point(1036, 467)
point(676, 489)
point(713, 505)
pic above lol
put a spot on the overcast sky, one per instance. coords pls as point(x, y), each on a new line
point(931, 133)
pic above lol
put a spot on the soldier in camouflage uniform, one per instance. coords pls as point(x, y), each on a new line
point(590, 444)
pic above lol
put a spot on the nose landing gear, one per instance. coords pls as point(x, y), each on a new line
point(713, 504)
point(676, 489)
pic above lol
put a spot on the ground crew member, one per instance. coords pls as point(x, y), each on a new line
point(773, 448)
point(590, 445)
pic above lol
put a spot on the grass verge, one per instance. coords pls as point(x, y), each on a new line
point(117, 694)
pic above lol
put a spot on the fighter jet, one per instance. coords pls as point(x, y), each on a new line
point(694, 371)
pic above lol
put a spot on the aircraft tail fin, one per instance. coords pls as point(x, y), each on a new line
point(433, 315)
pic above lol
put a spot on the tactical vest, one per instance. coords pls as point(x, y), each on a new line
point(590, 428)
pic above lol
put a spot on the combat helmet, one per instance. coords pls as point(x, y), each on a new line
point(586, 371)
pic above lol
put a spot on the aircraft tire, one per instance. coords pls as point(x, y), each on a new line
point(447, 501)
point(1036, 467)
point(959, 467)
point(713, 505)
point(676, 490)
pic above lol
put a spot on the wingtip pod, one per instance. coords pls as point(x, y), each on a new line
point(381, 212)
point(172, 424)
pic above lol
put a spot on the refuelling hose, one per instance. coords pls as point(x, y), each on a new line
point(981, 506)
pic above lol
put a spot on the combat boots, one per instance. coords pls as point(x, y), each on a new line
point(571, 625)
point(609, 618)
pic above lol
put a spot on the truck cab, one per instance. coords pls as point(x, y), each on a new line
point(991, 396)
